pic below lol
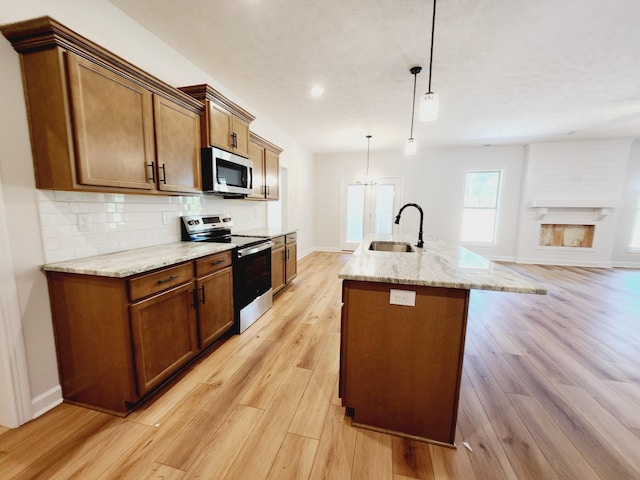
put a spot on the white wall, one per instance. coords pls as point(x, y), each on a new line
point(41, 225)
point(622, 255)
point(434, 179)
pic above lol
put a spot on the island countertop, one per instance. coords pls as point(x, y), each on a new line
point(438, 264)
point(139, 260)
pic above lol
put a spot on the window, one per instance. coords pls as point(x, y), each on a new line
point(481, 195)
point(635, 235)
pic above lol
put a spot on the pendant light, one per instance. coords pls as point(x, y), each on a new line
point(429, 101)
point(367, 179)
point(410, 147)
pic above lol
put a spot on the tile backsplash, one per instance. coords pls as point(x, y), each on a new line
point(82, 224)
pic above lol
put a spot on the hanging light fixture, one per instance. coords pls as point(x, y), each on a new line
point(367, 179)
point(410, 147)
point(429, 101)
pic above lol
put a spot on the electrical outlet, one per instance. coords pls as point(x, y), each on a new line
point(84, 222)
point(402, 297)
point(165, 218)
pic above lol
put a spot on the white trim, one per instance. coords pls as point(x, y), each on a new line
point(46, 401)
point(15, 395)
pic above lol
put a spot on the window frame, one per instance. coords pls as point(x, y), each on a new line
point(497, 208)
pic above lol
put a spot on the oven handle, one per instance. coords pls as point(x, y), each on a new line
point(254, 249)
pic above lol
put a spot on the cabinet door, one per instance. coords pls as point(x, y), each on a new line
point(163, 328)
point(291, 267)
point(240, 129)
point(277, 269)
point(215, 294)
point(256, 154)
point(113, 121)
point(177, 147)
point(219, 127)
point(271, 171)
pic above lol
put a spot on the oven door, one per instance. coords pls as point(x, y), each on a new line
point(252, 283)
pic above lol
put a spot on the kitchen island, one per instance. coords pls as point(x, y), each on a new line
point(404, 320)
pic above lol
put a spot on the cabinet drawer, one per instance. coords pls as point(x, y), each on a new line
point(277, 242)
point(213, 263)
point(291, 237)
point(145, 285)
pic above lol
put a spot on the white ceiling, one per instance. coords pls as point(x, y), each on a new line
point(506, 71)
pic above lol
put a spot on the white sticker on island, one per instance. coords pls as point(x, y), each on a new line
point(402, 297)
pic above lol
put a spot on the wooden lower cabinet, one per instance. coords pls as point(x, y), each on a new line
point(291, 259)
point(284, 262)
point(278, 262)
point(163, 329)
point(215, 316)
point(400, 366)
point(119, 339)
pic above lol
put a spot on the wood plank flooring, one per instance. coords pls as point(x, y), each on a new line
point(550, 390)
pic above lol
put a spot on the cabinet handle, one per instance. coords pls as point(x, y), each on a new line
point(217, 262)
point(164, 174)
point(234, 140)
point(170, 278)
point(202, 290)
point(286, 254)
point(153, 171)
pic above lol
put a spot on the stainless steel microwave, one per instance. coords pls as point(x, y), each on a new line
point(225, 173)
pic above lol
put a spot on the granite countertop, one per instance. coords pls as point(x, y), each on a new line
point(265, 232)
point(438, 264)
point(139, 260)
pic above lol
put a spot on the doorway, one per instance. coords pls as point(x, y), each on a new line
point(368, 209)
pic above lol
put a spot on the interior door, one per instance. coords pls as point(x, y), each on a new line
point(368, 209)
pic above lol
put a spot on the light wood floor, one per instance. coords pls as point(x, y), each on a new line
point(551, 390)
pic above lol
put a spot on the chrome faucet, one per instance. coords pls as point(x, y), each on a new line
point(420, 243)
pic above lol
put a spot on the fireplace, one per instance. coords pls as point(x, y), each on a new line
point(566, 235)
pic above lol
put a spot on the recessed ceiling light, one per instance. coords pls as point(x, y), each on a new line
point(317, 90)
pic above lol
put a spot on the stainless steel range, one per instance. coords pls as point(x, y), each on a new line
point(252, 294)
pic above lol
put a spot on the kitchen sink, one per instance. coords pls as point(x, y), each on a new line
point(381, 246)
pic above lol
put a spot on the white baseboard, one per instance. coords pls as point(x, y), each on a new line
point(626, 264)
point(46, 401)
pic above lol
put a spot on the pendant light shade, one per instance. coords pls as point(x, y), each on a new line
point(428, 107)
point(429, 101)
point(367, 179)
point(411, 147)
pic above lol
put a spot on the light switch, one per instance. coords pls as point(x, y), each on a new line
point(402, 297)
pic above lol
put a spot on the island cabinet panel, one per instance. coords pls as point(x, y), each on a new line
point(400, 365)
point(164, 335)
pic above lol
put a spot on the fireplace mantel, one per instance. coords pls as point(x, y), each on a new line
point(600, 208)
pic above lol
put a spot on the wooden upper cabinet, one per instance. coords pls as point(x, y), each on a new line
point(113, 119)
point(177, 146)
point(271, 172)
point(224, 125)
point(92, 119)
point(266, 168)
point(256, 154)
point(227, 131)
